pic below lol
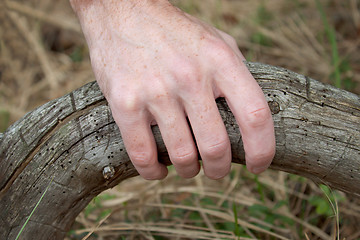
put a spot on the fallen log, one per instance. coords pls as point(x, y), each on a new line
point(74, 143)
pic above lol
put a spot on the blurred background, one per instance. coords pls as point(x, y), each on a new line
point(43, 56)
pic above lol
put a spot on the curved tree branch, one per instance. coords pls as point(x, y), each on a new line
point(74, 141)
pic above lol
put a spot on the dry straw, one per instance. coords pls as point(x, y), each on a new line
point(43, 56)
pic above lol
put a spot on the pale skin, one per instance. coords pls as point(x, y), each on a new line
point(158, 65)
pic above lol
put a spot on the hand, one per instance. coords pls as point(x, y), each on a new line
point(158, 65)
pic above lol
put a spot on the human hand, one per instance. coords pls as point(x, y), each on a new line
point(158, 65)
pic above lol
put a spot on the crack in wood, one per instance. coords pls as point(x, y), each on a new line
point(108, 142)
point(80, 140)
point(48, 225)
point(307, 87)
point(21, 135)
point(72, 100)
point(339, 160)
point(324, 104)
point(43, 139)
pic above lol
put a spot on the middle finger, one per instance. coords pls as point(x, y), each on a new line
point(210, 134)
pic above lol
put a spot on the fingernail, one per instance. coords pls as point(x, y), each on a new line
point(257, 170)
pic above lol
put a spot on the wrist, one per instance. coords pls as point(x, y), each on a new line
point(101, 17)
point(82, 6)
point(94, 12)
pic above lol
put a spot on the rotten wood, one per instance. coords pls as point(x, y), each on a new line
point(74, 141)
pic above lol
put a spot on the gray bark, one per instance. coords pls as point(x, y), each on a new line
point(72, 139)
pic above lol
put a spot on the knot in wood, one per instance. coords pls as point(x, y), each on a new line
point(108, 172)
point(274, 107)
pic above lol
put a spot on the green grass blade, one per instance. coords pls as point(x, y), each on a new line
point(331, 35)
point(237, 228)
point(32, 212)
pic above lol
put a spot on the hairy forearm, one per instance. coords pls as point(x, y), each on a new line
point(82, 7)
point(126, 16)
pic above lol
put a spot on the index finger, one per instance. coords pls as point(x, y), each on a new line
point(249, 106)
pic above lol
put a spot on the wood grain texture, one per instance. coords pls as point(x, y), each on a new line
point(72, 139)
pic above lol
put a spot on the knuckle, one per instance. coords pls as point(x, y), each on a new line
point(158, 95)
point(232, 41)
point(187, 74)
point(258, 117)
point(185, 68)
point(184, 158)
point(142, 159)
point(126, 101)
point(221, 51)
point(216, 148)
point(229, 39)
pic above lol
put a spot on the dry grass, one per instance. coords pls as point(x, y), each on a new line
point(200, 208)
point(43, 56)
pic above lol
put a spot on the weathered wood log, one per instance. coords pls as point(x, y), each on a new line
point(72, 139)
